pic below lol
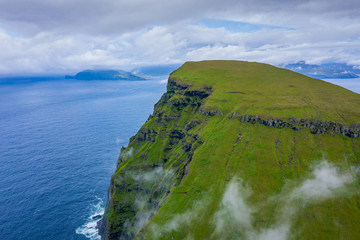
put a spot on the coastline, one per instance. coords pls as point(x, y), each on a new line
point(101, 228)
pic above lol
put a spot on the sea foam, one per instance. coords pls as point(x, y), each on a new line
point(88, 229)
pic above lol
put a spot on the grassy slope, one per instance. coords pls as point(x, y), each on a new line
point(253, 88)
point(267, 159)
point(255, 159)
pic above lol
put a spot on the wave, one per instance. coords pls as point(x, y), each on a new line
point(88, 229)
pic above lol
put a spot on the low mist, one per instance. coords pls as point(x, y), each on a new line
point(234, 218)
point(235, 213)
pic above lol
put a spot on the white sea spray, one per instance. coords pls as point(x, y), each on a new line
point(88, 229)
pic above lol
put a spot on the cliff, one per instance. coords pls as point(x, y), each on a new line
point(239, 150)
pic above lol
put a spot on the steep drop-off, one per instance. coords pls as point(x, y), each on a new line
point(239, 150)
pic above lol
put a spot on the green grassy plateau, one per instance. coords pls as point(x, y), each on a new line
point(240, 150)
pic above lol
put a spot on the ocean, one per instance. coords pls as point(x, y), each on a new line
point(59, 142)
point(352, 84)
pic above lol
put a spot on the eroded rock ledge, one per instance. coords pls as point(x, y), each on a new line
point(316, 127)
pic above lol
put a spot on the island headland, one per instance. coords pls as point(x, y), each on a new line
point(240, 150)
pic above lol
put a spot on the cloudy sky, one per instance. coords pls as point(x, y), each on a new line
point(65, 36)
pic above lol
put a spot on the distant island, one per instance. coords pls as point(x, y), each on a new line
point(324, 71)
point(105, 75)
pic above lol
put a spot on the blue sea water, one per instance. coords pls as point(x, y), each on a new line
point(352, 84)
point(59, 142)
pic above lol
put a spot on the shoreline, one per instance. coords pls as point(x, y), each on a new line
point(101, 228)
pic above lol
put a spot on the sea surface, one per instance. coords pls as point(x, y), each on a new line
point(352, 84)
point(59, 142)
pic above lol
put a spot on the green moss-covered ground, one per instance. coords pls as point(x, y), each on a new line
point(254, 88)
point(193, 172)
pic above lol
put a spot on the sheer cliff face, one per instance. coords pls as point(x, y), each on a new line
point(238, 150)
point(155, 160)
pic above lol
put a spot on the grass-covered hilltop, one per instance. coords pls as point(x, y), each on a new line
point(241, 150)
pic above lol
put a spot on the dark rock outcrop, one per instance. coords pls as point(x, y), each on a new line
point(210, 112)
point(316, 127)
point(101, 227)
point(145, 134)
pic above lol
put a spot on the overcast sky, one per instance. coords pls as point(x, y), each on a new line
point(65, 36)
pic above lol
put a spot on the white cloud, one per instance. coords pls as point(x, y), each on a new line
point(234, 216)
point(324, 183)
point(112, 16)
point(67, 36)
point(279, 232)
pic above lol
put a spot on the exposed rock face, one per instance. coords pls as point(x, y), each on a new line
point(316, 127)
point(101, 227)
point(210, 112)
point(146, 135)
